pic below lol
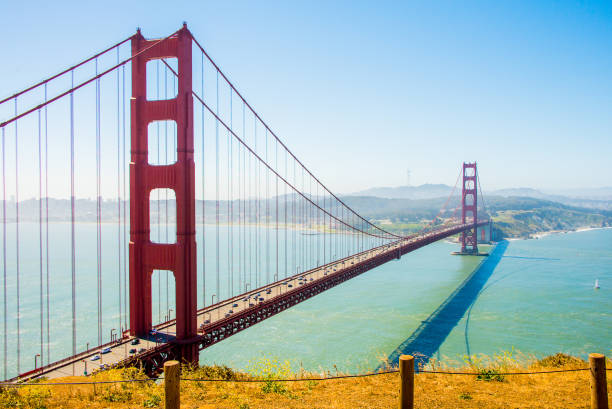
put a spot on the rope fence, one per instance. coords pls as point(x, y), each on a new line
point(329, 378)
point(172, 380)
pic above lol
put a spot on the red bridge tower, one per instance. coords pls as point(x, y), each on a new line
point(469, 209)
point(146, 256)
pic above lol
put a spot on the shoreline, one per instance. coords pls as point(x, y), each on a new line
point(539, 235)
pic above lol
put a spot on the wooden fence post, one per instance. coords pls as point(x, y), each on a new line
point(599, 392)
point(172, 384)
point(406, 366)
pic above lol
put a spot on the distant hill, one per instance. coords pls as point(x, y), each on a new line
point(599, 193)
point(514, 216)
point(427, 191)
point(600, 198)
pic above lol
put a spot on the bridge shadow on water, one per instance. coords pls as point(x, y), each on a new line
point(429, 336)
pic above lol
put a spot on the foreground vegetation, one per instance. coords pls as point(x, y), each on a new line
point(489, 389)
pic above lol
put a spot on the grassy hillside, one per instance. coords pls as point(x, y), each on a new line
point(557, 390)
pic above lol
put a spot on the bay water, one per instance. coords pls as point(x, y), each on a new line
point(539, 300)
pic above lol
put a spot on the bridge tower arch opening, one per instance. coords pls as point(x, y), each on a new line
point(145, 255)
point(469, 208)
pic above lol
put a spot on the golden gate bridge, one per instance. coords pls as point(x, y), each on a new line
point(271, 234)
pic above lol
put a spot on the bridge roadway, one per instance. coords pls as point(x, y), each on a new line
point(221, 320)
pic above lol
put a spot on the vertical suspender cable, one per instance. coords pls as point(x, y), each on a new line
point(157, 124)
point(123, 148)
point(250, 217)
point(240, 281)
point(317, 231)
point(257, 265)
point(72, 218)
point(174, 152)
point(217, 186)
point(4, 344)
point(119, 200)
point(293, 201)
point(244, 198)
point(98, 213)
point(40, 238)
point(267, 243)
point(303, 207)
point(285, 229)
point(47, 226)
point(230, 232)
point(276, 207)
point(17, 239)
point(203, 199)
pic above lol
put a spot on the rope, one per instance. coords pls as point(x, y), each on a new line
point(507, 373)
point(329, 378)
point(18, 385)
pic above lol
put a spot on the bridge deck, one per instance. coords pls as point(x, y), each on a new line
point(223, 319)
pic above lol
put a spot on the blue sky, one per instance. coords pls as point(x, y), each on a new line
point(362, 91)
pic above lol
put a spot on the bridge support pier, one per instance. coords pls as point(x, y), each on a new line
point(146, 256)
point(469, 211)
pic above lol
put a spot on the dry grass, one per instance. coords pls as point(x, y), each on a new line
point(557, 390)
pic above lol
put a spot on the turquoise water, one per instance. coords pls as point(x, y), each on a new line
point(539, 299)
point(228, 277)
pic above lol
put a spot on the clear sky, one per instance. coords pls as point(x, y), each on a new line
point(362, 91)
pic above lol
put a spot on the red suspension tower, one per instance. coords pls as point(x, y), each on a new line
point(469, 208)
point(146, 256)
